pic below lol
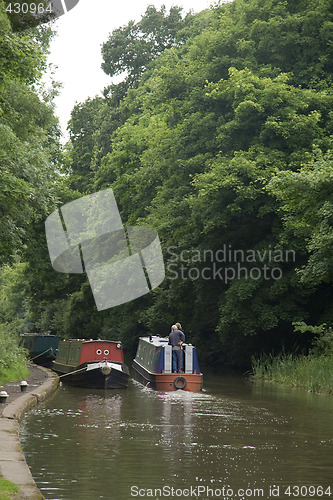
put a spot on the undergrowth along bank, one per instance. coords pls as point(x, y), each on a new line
point(13, 357)
point(312, 372)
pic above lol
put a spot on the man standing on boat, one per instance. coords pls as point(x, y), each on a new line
point(176, 340)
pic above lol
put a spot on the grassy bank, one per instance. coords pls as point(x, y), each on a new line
point(13, 361)
point(314, 373)
point(7, 489)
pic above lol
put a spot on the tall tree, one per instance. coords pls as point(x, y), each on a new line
point(131, 48)
point(29, 133)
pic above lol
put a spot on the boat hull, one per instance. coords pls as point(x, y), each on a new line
point(90, 375)
point(191, 382)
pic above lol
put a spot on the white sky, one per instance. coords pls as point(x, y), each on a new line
point(76, 51)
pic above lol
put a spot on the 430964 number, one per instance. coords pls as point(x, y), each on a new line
point(31, 8)
point(308, 491)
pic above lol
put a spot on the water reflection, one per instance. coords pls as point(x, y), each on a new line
point(83, 445)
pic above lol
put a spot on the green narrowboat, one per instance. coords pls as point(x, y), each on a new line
point(42, 347)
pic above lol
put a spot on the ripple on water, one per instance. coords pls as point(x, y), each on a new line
point(85, 444)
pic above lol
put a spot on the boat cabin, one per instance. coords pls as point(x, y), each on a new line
point(42, 347)
point(75, 352)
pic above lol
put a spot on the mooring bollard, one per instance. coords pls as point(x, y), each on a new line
point(23, 385)
point(3, 396)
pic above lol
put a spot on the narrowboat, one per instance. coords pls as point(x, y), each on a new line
point(42, 347)
point(97, 364)
point(153, 366)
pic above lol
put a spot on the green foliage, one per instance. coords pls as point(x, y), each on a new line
point(312, 371)
point(130, 49)
point(46, 292)
point(28, 138)
point(205, 141)
point(28, 17)
point(278, 36)
point(82, 151)
point(12, 357)
point(13, 295)
point(220, 134)
point(307, 205)
point(322, 343)
point(30, 180)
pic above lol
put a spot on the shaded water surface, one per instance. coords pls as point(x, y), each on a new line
point(85, 445)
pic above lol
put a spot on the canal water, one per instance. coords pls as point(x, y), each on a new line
point(233, 440)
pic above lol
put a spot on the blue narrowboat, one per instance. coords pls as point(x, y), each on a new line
point(153, 366)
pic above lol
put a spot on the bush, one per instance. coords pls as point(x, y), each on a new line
point(13, 358)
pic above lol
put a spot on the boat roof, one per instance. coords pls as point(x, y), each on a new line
point(87, 341)
point(35, 334)
point(155, 340)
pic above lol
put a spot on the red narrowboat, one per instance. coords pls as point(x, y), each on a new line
point(95, 364)
point(153, 366)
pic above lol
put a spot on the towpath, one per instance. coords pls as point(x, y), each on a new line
point(41, 383)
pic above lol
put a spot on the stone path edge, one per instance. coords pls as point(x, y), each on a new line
point(13, 465)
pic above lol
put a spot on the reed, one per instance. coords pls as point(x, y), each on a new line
point(311, 372)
